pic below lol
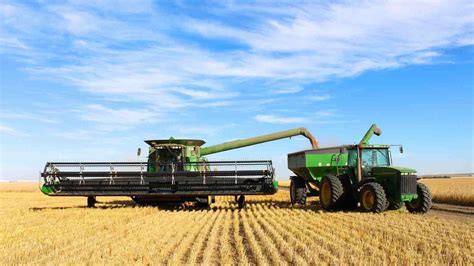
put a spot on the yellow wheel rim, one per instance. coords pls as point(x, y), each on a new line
point(326, 193)
point(368, 199)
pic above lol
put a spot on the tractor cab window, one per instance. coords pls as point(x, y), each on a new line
point(370, 158)
point(375, 157)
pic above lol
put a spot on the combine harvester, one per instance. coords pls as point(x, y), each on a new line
point(176, 171)
point(362, 173)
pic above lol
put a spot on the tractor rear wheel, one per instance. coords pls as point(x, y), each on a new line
point(372, 198)
point(330, 192)
point(423, 203)
point(298, 190)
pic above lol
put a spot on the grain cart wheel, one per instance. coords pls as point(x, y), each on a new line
point(241, 201)
point(422, 204)
point(298, 190)
point(91, 201)
point(331, 191)
point(372, 198)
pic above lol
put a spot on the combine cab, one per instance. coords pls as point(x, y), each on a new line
point(175, 172)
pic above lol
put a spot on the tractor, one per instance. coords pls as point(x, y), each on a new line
point(361, 174)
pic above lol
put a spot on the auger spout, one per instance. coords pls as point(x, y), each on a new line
point(260, 139)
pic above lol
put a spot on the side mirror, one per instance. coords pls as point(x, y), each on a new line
point(139, 151)
point(401, 149)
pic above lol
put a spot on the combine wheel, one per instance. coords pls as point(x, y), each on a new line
point(372, 198)
point(241, 201)
point(331, 191)
point(91, 201)
point(298, 190)
point(202, 202)
point(422, 204)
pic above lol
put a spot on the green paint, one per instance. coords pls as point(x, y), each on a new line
point(275, 184)
point(47, 190)
point(408, 197)
point(257, 140)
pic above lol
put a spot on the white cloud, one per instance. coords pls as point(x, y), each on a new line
point(319, 98)
point(111, 56)
point(273, 119)
point(288, 90)
point(111, 119)
point(11, 131)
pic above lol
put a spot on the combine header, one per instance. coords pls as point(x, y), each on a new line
point(176, 171)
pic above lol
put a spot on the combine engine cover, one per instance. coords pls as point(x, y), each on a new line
point(179, 179)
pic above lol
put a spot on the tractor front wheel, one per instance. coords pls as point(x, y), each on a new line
point(330, 192)
point(422, 204)
point(372, 198)
point(297, 190)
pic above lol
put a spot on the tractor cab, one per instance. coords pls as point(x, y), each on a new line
point(370, 156)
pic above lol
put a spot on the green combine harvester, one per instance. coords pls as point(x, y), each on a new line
point(176, 171)
point(346, 175)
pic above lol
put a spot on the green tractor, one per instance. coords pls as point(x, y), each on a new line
point(363, 173)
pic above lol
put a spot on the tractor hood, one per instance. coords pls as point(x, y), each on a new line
point(381, 170)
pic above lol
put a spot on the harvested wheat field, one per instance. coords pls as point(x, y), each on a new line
point(37, 229)
point(459, 191)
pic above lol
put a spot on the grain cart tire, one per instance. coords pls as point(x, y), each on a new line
point(241, 202)
point(372, 198)
point(298, 190)
point(423, 203)
point(331, 191)
point(91, 201)
point(395, 206)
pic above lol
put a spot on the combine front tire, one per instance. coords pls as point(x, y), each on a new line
point(91, 201)
point(422, 204)
point(330, 192)
point(298, 190)
point(372, 198)
point(241, 201)
point(202, 202)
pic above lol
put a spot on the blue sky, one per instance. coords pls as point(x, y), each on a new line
point(87, 80)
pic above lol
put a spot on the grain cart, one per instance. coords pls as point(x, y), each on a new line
point(176, 171)
point(345, 175)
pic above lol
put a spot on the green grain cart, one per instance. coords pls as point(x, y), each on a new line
point(346, 175)
point(176, 171)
